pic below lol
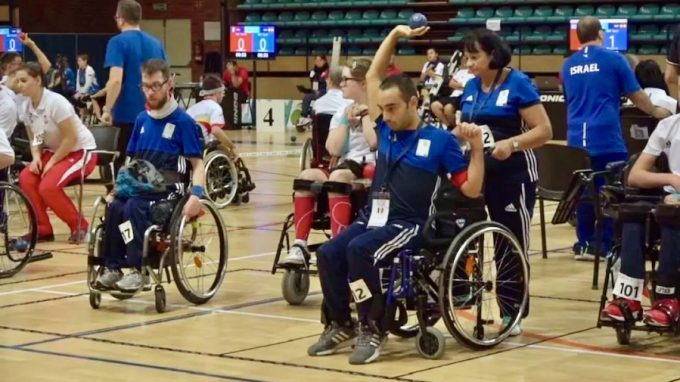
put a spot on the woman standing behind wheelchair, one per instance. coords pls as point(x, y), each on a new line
point(506, 105)
point(58, 142)
point(346, 139)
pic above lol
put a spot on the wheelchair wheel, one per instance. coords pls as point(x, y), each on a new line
point(221, 178)
point(622, 334)
point(295, 286)
point(159, 293)
point(483, 290)
point(307, 155)
point(18, 230)
point(95, 300)
point(407, 327)
point(199, 250)
point(431, 343)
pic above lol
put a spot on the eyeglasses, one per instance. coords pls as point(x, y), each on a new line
point(345, 79)
point(156, 87)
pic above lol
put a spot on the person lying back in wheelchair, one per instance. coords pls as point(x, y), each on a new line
point(629, 284)
point(209, 114)
point(411, 159)
point(163, 140)
point(346, 134)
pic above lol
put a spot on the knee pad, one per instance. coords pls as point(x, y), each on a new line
point(668, 215)
point(307, 185)
point(634, 212)
point(337, 187)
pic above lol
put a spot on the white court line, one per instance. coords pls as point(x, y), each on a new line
point(282, 153)
point(265, 254)
point(595, 352)
point(42, 289)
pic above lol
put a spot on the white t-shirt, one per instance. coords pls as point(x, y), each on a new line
point(660, 99)
point(90, 80)
point(207, 113)
point(44, 122)
point(5, 147)
point(359, 150)
point(439, 69)
point(462, 77)
point(331, 102)
point(666, 139)
point(8, 111)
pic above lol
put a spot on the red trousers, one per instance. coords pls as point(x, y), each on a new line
point(48, 190)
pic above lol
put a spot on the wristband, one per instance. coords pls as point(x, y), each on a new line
point(198, 191)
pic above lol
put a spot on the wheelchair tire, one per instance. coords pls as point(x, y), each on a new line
point(622, 334)
point(458, 303)
point(306, 155)
point(18, 221)
point(95, 300)
point(159, 293)
point(295, 286)
point(430, 344)
point(179, 246)
point(221, 178)
point(121, 296)
point(412, 330)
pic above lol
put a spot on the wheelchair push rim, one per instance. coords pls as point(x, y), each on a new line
point(306, 155)
point(18, 228)
point(199, 249)
point(221, 178)
point(483, 291)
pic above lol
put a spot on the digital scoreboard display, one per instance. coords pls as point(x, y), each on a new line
point(252, 41)
point(615, 34)
point(9, 40)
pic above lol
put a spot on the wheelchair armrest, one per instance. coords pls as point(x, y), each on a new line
point(642, 195)
point(616, 166)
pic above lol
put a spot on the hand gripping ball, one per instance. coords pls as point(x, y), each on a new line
point(417, 20)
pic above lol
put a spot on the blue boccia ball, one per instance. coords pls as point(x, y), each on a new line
point(417, 20)
point(21, 245)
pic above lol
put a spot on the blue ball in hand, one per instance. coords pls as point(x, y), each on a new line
point(417, 20)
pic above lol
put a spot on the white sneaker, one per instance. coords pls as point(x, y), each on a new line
point(516, 330)
point(296, 255)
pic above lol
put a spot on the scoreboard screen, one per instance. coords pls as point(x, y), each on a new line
point(252, 41)
point(9, 40)
point(615, 34)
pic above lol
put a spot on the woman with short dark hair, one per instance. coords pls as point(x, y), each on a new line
point(506, 105)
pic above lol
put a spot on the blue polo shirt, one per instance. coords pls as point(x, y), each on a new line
point(594, 81)
point(166, 142)
point(410, 166)
point(500, 110)
point(130, 50)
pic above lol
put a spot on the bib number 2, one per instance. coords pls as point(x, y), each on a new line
point(487, 137)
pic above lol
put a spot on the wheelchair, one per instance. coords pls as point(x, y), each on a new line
point(195, 250)
point(430, 92)
point(295, 282)
point(227, 181)
point(314, 153)
point(461, 276)
point(18, 231)
point(617, 201)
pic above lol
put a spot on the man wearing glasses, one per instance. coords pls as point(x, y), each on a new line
point(125, 55)
point(166, 137)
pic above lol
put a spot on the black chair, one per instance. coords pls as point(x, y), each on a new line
point(556, 167)
point(637, 127)
point(314, 153)
point(106, 139)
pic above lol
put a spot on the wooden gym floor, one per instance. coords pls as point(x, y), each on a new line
point(247, 332)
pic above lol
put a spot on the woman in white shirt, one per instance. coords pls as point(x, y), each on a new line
point(59, 141)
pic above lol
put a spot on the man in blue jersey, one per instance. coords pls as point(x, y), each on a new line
point(168, 138)
point(411, 159)
point(595, 79)
point(125, 55)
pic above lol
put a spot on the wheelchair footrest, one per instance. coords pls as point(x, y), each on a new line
point(95, 260)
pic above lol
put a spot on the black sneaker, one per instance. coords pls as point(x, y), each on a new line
point(334, 337)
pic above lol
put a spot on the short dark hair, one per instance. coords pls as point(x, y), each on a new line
point(649, 75)
point(6, 59)
point(490, 43)
point(84, 57)
point(130, 11)
point(404, 83)
point(154, 66)
point(588, 29)
point(33, 69)
point(211, 82)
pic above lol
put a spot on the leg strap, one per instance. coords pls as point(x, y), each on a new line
point(337, 188)
point(634, 212)
point(308, 185)
point(668, 215)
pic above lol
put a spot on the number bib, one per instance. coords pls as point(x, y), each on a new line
point(628, 287)
point(487, 137)
point(380, 210)
point(127, 232)
point(360, 291)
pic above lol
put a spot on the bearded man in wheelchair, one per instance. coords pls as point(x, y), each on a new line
point(164, 140)
point(634, 217)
